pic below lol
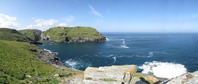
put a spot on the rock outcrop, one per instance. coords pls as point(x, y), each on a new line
point(33, 34)
point(49, 57)
point(188, 78)
point(109, 74)
point(125, 74)
point(72, 34)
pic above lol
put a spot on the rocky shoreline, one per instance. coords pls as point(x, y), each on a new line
point(49, 57)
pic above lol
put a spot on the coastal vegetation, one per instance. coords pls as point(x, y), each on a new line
point(12, 35)
point(33, 34)
point(19, 63)
point(72, 34)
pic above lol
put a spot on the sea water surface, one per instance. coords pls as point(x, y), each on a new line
point(171, 54)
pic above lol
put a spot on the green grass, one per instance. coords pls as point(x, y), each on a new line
point(108, 79)
point(59, 33)
point(17, 61)
point(12, 35)
point(33, 34)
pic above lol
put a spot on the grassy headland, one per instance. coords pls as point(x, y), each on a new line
point(12, 35)
point(18, 63)
point(72, 34)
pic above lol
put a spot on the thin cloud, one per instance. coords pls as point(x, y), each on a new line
point(69, 19)
point(62, 25)
point(93, 11)
point(43, 24)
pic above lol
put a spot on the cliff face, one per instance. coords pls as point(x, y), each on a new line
point(49, 57)
point(72, 34)
point(33, 34)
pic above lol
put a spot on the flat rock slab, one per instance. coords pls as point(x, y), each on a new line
point(188, 78)
point(109, 74)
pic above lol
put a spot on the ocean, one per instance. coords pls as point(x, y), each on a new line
point(171, 54)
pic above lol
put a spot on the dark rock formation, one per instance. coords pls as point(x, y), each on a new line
point(49, 57)
point(33, 34)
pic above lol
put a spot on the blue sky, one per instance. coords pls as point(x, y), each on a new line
point(104, 15)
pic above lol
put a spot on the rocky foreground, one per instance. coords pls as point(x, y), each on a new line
point(125, 74)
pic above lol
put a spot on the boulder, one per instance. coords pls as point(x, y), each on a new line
point(56, 75)
point(151, 79)
point(109, 74)
point(188, 78)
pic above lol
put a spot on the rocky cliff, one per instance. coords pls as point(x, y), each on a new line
point(49, 57)
point(33, 34)
point(72, 34)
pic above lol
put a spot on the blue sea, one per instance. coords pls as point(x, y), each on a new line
point(176, 52)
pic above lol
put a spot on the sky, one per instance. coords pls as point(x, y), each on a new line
point(103, 15)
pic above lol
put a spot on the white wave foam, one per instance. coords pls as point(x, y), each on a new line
point(123, 44)
point(77, 64)
point(114, 58)
point(163, 69)
point(48, 50)
point(72, 63)
point(151, 54)
point(110, 55)
point(107, 39)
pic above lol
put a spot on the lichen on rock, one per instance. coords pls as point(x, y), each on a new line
point(109, 74)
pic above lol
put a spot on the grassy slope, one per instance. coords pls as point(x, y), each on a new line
point(17, 61)
point(31, 33)
point(60, 33)
point(12, 35)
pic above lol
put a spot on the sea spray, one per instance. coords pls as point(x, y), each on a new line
point(163, 69)
point(48, 50)
point(107, 39)
point(77, 64)
point(114, 58)
point(123, 44)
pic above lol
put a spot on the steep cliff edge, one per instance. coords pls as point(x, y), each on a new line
point(33, 34)
point(72, 34)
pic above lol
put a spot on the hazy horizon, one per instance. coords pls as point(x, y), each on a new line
point(152, 16)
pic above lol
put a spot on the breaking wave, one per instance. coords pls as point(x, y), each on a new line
point(107, 39)
point(114, 58)
point(76, 64)
point(151, 54)
point(48, 50)
point(123, 44)
point(51, 51)
point(163, 69)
